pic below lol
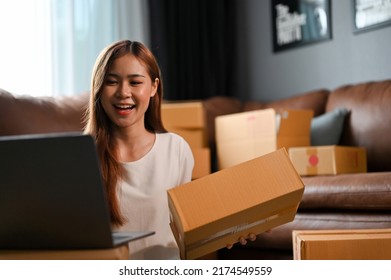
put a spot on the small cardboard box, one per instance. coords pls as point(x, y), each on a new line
point(354, 244)
point(186, 114)
point(252, 197)
point(244, 136)
point(187, 119)
point(202, 162)
point(328, 160)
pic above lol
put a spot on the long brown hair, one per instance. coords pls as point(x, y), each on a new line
point(98, 124)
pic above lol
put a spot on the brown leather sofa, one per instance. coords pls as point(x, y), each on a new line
point(348, 201)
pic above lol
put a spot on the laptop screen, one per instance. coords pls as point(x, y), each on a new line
point(51, 193)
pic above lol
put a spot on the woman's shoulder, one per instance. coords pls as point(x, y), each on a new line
point(174, 141)
point(171, 137)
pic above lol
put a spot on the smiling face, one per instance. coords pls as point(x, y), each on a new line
point(126, 92)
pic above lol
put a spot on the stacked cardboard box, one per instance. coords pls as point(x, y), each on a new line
point(355, 244)
point(328, 160)
point(246, 135)
point(187, 119)
point(251, 197)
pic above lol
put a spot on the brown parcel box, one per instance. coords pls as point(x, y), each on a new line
point(294, 128)
point(350, 244)
point(328, 160)
point(252, 197)
point(247, 135)
point(186, 119)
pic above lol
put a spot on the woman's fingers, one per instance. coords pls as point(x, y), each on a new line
point(243, 240)
point(252, 237)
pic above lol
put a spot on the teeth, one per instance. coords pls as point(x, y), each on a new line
point(124, 106)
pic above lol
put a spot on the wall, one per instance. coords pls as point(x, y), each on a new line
point(347, 58)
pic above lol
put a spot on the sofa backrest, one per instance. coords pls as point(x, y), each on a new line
point(29, 115)
point(369, 122)
point(313, 100)
point(222, 105)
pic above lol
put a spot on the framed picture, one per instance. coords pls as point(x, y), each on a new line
point(370, 14)
point(300, 22)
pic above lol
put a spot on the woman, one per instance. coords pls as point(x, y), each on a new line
point(139, 159)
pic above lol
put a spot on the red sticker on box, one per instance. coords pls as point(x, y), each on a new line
point(313, 160)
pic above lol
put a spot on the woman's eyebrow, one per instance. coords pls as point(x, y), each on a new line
point(128, 76)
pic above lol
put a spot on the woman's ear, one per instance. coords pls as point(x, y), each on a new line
point(155, 85)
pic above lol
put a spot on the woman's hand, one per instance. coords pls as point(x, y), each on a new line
point(243, 240)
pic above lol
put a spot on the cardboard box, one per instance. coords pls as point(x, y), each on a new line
point(187, 114)
point(247, 135)
point(355, 244)
point(202, 162)
point(328, 160)
point(252, 197)
point(186, 119)
point(294, 128)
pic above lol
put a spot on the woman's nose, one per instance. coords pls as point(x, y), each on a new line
point(124, 91)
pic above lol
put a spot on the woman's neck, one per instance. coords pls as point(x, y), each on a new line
point(133, 145)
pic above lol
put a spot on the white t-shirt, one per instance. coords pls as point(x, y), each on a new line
point(143, 195)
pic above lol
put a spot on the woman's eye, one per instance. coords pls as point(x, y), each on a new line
point(111, 82)
point(135, 83)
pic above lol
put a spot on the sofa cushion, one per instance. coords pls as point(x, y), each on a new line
point(359, 191)
point(369, 122)
point(314, 100)
point(326, 129)
point(281, 236)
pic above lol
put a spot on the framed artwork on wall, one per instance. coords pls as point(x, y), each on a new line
point(371, 14)
point(300, 22)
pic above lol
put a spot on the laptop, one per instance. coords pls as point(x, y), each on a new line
point(52, 195)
